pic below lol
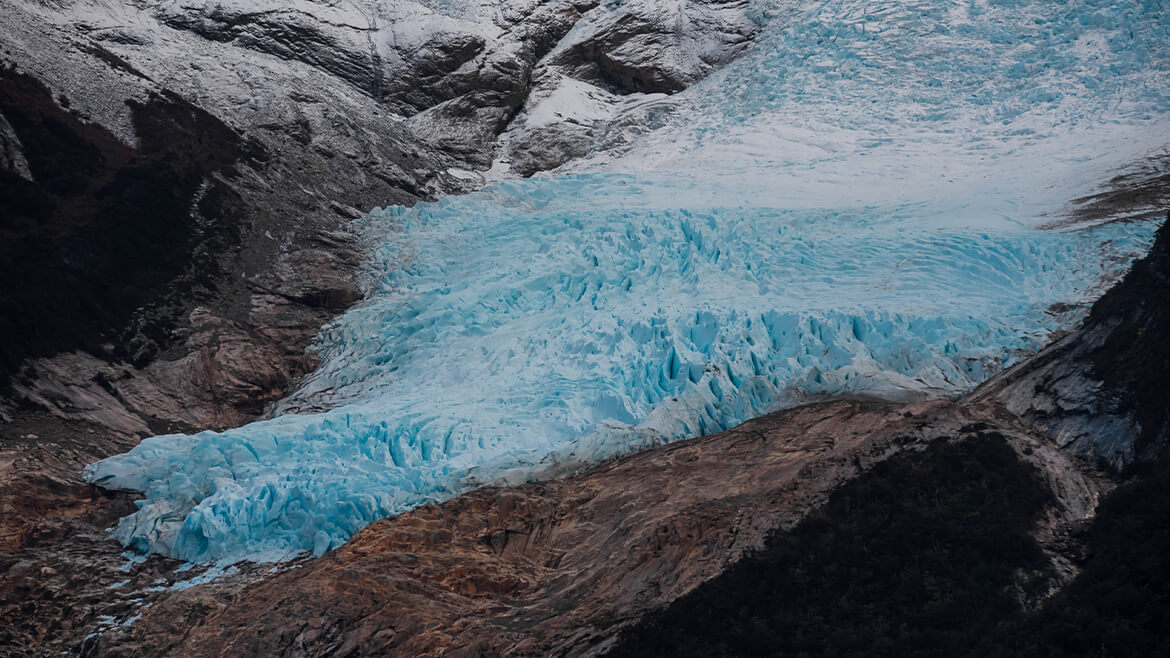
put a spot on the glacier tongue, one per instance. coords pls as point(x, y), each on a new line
point(559, 318)
point(859, 218)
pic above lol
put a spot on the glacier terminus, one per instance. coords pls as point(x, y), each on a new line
point(870, 201)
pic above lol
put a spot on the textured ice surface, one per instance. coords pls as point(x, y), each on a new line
point(852, 207)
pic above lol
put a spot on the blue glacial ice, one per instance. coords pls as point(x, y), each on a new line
point(853, 207)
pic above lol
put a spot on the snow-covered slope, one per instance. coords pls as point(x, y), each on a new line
point(853, 206)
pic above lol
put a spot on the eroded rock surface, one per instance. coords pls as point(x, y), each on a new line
point(610, 78)
point(647, 46)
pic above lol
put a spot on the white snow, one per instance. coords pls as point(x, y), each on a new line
point(572, 100)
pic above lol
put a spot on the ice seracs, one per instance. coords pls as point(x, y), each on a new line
point(580, 318)
point(852, 207)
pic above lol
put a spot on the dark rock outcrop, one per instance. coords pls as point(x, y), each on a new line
point(171, 252)
point(1103, 392)
point(656, 47)
point(1119, 604)
point(92, 229)
point(921, 556)
point(12, 160)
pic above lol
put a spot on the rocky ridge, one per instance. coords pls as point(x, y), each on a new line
point(558, 568)
point(1100, 392)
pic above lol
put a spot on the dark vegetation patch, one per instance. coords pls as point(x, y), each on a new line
point(105, 227)
point(917, 557)
point(1119, 605)
point(1136, 194)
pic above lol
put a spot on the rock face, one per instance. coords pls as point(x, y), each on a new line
point(176, 178)
point(12, 160)
point(611, 76)
point(925, 554)
point(170, 257)
point(656, 47)
point(78, 268)
point(1103, 392)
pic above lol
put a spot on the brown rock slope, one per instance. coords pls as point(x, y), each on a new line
point(557, 568)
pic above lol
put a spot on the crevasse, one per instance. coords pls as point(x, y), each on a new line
point(850, 208)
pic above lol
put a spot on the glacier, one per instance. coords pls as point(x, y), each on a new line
point(868, 202)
